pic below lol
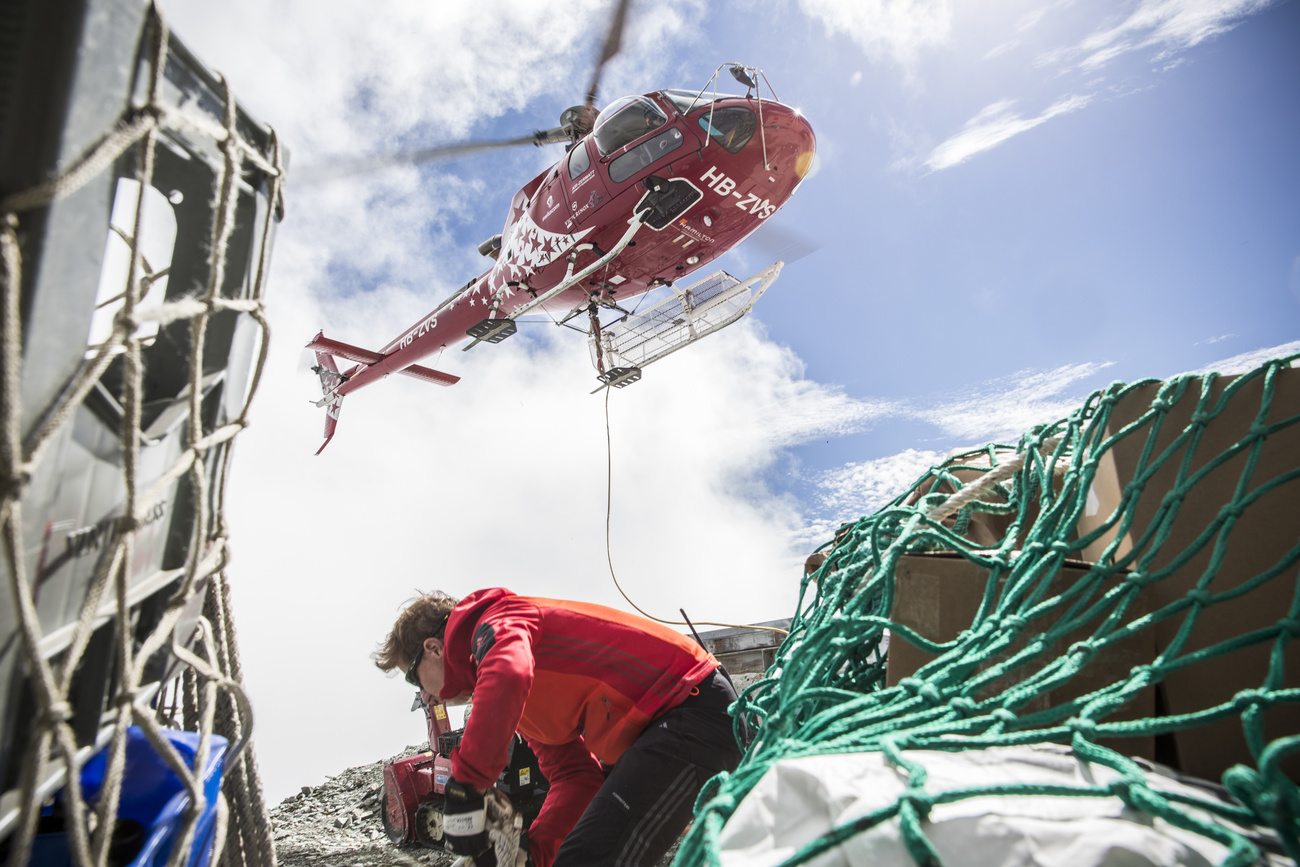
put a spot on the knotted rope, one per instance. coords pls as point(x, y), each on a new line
point(215, 702)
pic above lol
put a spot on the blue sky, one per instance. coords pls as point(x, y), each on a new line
point(1014, 204)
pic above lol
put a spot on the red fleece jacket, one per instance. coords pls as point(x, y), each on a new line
point(580, 682)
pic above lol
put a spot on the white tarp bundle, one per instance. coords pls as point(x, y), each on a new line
point(799, 800)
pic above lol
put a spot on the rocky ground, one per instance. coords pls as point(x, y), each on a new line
point(338, 824)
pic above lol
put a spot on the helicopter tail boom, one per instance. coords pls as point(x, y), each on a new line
point(325, 347)
point(332, 380)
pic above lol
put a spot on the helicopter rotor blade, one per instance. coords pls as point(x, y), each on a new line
point(783, 242)
point(578, 125)
point(347, 167)
point(613, 42)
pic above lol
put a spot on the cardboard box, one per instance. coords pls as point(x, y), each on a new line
point(939, 595)
point(1259, 539)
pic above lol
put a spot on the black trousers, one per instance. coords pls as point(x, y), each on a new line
point(649, 796)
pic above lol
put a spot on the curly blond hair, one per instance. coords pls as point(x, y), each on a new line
point(420, 619)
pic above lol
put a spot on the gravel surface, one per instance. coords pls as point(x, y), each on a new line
point(338, 824)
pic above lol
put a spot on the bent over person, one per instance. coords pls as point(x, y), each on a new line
point(587, 686)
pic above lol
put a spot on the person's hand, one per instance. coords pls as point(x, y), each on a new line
point(464, 823)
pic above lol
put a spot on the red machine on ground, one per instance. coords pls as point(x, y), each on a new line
point(413, 790)
point(649, 191)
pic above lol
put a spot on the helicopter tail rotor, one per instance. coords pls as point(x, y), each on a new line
point(330, 380)
point(335, 384)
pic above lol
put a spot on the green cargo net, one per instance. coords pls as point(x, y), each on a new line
point(1131, 574)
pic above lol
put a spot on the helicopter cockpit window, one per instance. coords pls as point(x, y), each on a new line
point(687, 100)
point(730, 127)
point(645, 154)
point(579, 159)
point(626, 120)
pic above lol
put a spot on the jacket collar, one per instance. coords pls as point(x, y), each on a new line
point(457, 660)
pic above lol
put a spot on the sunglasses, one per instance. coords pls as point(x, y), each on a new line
point(412, 677)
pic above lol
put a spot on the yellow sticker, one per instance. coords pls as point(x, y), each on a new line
point(439, 711)
point(525, 774)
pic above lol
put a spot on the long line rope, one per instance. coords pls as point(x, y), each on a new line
point(609, 557)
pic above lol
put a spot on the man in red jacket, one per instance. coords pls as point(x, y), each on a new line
point(587, 686)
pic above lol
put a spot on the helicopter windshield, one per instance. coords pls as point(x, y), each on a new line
point(626, 120)
point(686, 100)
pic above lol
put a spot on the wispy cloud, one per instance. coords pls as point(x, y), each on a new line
point(1166, 29)
point(1000, 49)
point(1250, 360)
point(999, 410)
point(1004, 408)
point(1172, 26)
point(991, 127)
point(857, 489)
point(500, 481)
point(996, 411)
point(898, 31)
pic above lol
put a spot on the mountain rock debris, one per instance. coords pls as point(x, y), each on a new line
point(340, 824)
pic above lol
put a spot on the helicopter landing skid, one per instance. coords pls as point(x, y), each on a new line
point(618, 377)
point(492, 330)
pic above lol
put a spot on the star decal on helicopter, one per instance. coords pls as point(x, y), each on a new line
point(530, 247)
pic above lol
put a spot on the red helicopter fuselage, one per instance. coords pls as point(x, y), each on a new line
point(664, 184)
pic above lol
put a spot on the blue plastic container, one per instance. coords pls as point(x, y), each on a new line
point(152, 806)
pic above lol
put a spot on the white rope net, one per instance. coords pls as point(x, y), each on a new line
point(194, 629)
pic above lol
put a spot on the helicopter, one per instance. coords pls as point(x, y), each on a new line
point(648, 191)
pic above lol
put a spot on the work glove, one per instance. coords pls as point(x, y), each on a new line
point(464, 824)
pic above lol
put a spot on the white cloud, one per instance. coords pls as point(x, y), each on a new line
point(1000, 49)
point(1004, 408)
point(501, 479)
point(1248, 361)
point(897, 31)
point(337, 78)
point(856, 489)
point(1031, 19)
point(996, 411)
point(993, 125)
point(1171, 25)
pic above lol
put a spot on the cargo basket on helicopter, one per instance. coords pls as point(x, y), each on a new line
point(697, 311)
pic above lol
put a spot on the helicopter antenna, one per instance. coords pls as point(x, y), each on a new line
point(748, 76)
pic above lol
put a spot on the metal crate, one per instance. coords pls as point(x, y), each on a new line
point(77, 76)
